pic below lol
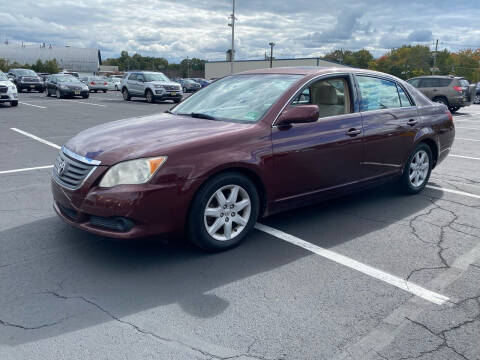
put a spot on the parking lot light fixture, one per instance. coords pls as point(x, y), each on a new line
point(272, 44)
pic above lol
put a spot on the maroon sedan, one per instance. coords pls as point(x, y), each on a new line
point(247, 146)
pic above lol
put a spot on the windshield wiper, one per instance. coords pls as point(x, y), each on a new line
point(202, 116)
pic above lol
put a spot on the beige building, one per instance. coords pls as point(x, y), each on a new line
point(217, 69)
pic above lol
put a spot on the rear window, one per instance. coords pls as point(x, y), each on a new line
point(434, 82)
point(464, 82)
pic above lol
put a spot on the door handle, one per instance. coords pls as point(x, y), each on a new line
point(353, 132)
point(412, 122)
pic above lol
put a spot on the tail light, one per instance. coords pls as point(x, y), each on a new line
point(104, 83)
point(450, 117)
point(92, 83)
point(458, 88)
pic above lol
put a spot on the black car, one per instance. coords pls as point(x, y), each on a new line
point(476, 100)
point(65, 86)
point(26, 79)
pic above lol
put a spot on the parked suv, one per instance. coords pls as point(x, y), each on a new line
point(150, 85)
point(8, 90)
point(455, 92)
point(476, 100)
point(26, 79)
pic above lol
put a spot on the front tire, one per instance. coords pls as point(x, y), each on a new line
point(476, 100)
point(126, 95)
point(149, 96)
point(86, 96)
point(104, 91)
point(14, 103)
point(47, 93)
point(417, 169)
point(223, 212)
point(453, 109)
point(59, 94)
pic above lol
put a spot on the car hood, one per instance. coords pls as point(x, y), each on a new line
point(169, 83)
point(146, 136)
point(6, 82)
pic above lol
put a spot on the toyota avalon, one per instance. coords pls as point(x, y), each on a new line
point(247, 146)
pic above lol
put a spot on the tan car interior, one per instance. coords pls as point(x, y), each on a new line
point(331, 100)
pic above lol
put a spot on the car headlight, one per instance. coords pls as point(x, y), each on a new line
point(132, 172)
point(13, 88)
point(85, 87)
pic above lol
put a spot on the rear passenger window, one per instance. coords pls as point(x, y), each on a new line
point(444, 82)
point(464, 83)
point(404, 100)
point(132, 77)
point(377, 94)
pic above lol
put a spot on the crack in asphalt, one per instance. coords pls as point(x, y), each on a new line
point(443, 228)
point(210, 356)
point(23, 327)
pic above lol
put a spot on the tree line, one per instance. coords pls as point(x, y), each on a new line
point(138, 62)
point(49, 66)
point(409, 61)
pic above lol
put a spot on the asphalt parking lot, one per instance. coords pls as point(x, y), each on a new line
point(376, 275)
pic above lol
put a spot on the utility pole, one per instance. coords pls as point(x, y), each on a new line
point(272, 44)
point(188, 68)
point(435, 58)
point(232, 50)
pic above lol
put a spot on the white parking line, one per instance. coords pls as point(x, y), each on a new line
point(464, 157)
point(466, 128)
point(471, 121)
point(36, 138)
point(26, 169)
point(37, 106)
point(400, 283)
point(465, 139)
point(82, 102)
point(463, 193)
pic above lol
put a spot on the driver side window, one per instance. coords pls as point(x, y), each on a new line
point(330, 95)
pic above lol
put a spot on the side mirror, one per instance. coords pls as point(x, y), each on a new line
point(298, 115)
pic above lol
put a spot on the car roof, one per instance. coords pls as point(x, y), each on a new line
point(313, 70)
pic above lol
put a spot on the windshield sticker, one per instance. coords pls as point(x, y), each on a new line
point(251, 115)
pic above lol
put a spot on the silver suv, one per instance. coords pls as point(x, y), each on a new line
point(455, 92)
point(150, 85)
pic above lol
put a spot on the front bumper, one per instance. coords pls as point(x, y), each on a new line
point(172, 95)
point(32, 86)
point(70, 92)
point(147, 209)
point(7, 97)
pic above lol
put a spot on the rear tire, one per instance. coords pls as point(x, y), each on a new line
point(184, 89)
point(104, 91)
point(417, 169)
point(86, 96)
point(95, 91)
point(441, 100)
point(453, 109)
point(47, 93)
point(218, 223)
point(476, 99)
point(126, 94)
point(14, 103)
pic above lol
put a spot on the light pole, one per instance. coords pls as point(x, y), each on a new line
point(272, 44)
point(232, 50)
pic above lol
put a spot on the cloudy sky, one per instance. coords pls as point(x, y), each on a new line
point(198, 28)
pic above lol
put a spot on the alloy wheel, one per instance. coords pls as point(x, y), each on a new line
point(227, 212)
point(418, 170)
point(476, 100)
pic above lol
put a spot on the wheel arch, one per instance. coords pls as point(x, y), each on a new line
point(433, 147)
point(249, 173)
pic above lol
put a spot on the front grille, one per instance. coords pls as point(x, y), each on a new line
point(171, 87)
point(3, 89)
point(112, 223)
point(30, 79)
point(74, 171)
point(70, 213)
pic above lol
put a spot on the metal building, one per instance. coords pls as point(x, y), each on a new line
point(82, 60)
point(217, 69)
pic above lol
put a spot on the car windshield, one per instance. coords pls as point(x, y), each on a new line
point(67, 79)
point(26, 72)
point(155, 77)
point(3, 77)
point(237, 98)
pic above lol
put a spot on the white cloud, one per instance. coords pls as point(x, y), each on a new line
point(198, 28)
